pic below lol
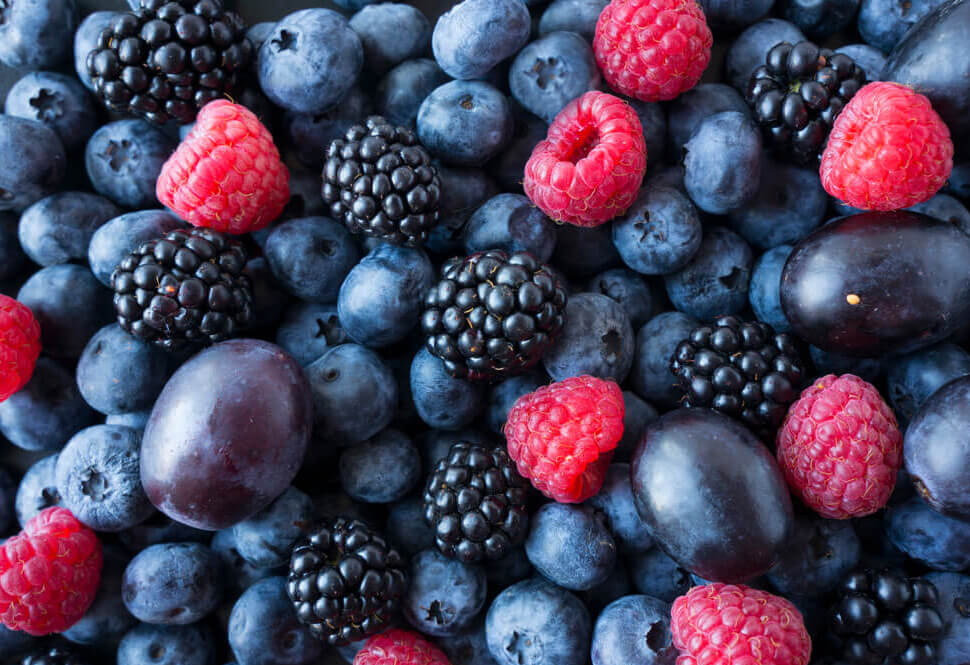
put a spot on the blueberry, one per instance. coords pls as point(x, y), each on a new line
point(36, 34)
point(114, 240)
point(702, 101)
point(959, 182)
point(167, 645)
point(381, 298)
point(240, 574)
point(69, 304)
point(37, 490)
point(264, 630)
point(308, 330)
point(764, 289)
point(915, 376)
point(382, 469)
point(258, 33)
point(637, 415)
point(820, 18)
point(790, 204)
point(656, 341)
point(310, 61)
point(266, 538)
point(734, 14)
point(123, 160)
point(134, 419)
point(633, 629)
point(400, 93)
point(305, 201)
point(514, 567)
point(627, 288)
point(58, 229)
point(269, 300)
point(503, 395)
point(465, 123)
point(570, 546)
point(512, 223)
point(310, 257)
point(947, 208)
point(751, 47)
point(715, 281)
point(475, 35)
point(160, 529)
point(467, 647)
point(615, 501)
point(653, 121)
point(58, 101)
point(406, 527)
point(353, 5)
point(723, 162)
point(444, 596)
point(551, 72)
point(435, 444)
point(935, 540)
point(615, 586)
point(107, 620)
point(882, 23)
point(819, 556)
point(310, 134)
point(12, 258)
point(659, 233)
point(954, 606)
point(442, 401)
point(583, 252)
point(391, 33)
point(32, 161)
point(8, 494)
point(463, 191)
point(826, 362)
point(173, 583)
point(46, 412)
point(509, 166)
point(870, 59)
point(656, 574)
point(579, 16)
point(597, 339)
point(537, 623)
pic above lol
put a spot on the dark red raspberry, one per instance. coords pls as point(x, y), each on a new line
point(19, 345)
point(400, 647)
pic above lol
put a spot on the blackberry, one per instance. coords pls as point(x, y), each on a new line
point(166, 60)
point(475, 503)
point(493, 314)
point(883, 618)
point(345, 581)
point(53, 656)
point(186, 287)
point(742, 369)
point(797, 94)
point(381, 183)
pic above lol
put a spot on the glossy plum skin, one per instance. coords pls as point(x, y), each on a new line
point(711, 495)
point(227, 434)
point(876, 283)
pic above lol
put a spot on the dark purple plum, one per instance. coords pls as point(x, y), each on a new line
point(711, 495)
point(878, 282)
point(227, 434)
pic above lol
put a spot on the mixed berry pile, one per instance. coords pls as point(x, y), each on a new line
point(485, 332)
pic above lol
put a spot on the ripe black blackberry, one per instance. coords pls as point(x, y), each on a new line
point(53, 656)
point(381, 183)
point(345, 581)
point(797, 94)
point(185, 287)
point(493, 314)
point(475, 503)
point(742, 369)
point(883, 618)
point(168, 59)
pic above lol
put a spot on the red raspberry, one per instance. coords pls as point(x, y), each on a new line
point(888, 149)
point(19, 346)
point(562, 436)
point(724, 624)
point(399, 647)
point(840, 447)
point(652, 50)
point(590, 167)
point(227, 174)
point(49, 573)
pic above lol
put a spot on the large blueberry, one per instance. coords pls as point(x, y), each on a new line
point(173, 583)
point(37, 490)
point(86, 39)
point(733, 14)
point(310, 61)
point(633, 629)
point(400, 93)
point(704, 100)
point(947, 208)
point(503, 395)
point(655, 345)
point(882, 23)
point(627, 288)
point(239, 573)
point(818, 557)
point(266, 538)
point(107, 620)
point(655, 574)
point(57, 100)
point(133, 419)
point(465, 122)
point(954, 605)
point(871, 59)
point(32, 162)
point(311, 256)
point(444, 596)
point(579, 16)
point(441, 400)
point(571, 546)
point(512, 223)
point(123, 160)
point(764, 291)
point(715, 281)
point(723, 162)
point(938, 541)
point(659, 233)
point(58, 229)
point(749, 50)
point(380, 300)
point(114, 240)
point(820, 18)
point(36, 34)
point(597, 339)
point(391, 33)
point(475, 35)
point(582, 252)
point(310, 134)
point(264, 630)
point(551, 72)
point(915, 376)
point(309, 330)
point(382, 469)
point(167, 645)
point(615, 501)
point(463, 191)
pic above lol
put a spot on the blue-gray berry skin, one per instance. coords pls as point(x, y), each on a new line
point(553, 71)
point(734, 14)
point(310, 134)
point(571, 546)
point(938, 541)
point(510, 222)
point(882, 23)
point(577, 16)
point(703, 100)
point(869, 58)
point(37, 490)
point(463, 191)
point(630, 290)
point(827, 362)
point(764, 291)
point(954, 590)
point(615, 501)
point(715, 281)
point(309, 330)
point(820, 18)
point(751, 47)
point(442, 401)
point(57, 100)
point(465, 123)
point(167, 645)
point(266, 539)
point(240, 574)
point(583, 252)
point(115, 239)
point(400, 93)
point(310, 257)
point(723, 162)
point(107, 620)
point(264, 630)
point(468, 647)
point(535, 622)
point(36, 34)
point(58, 229)
point(310, 61)
point(133, 419)
point(655, 345)
point(633, 629)
point(32, 162)
point(123, 160)
point(636, 416)
point(617, 585)
point(99, 479)
point(504, 395)
point(915, 376)
point(444, 596)
point(86, 39)
point(475, 35)
point(597, 339)
point(653, 122)
point(173, 583)
point(659, 233)
point(382, 469)
point(407, 530)
point(947, 208)
point(509, 165)
point(820, 555)
point(657, 575)
point(391, 33)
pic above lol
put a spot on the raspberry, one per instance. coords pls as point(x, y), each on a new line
point(49, 573)
point(724, 624)
point(562, 436)
point(590, 167)
point(840, 447)
point(888, 149)
point(19, 345)
point(652, 50)
point(399, 647)
point(227, 174)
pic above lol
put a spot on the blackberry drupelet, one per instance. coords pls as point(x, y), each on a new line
point(345, 581)
point(492, 315)
point(475, 503)
point(742, 369)
point(381, 183)
point(797, 94)
point(883, 618)
point(168, 59)
point(185, 287)
point(53, 656)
